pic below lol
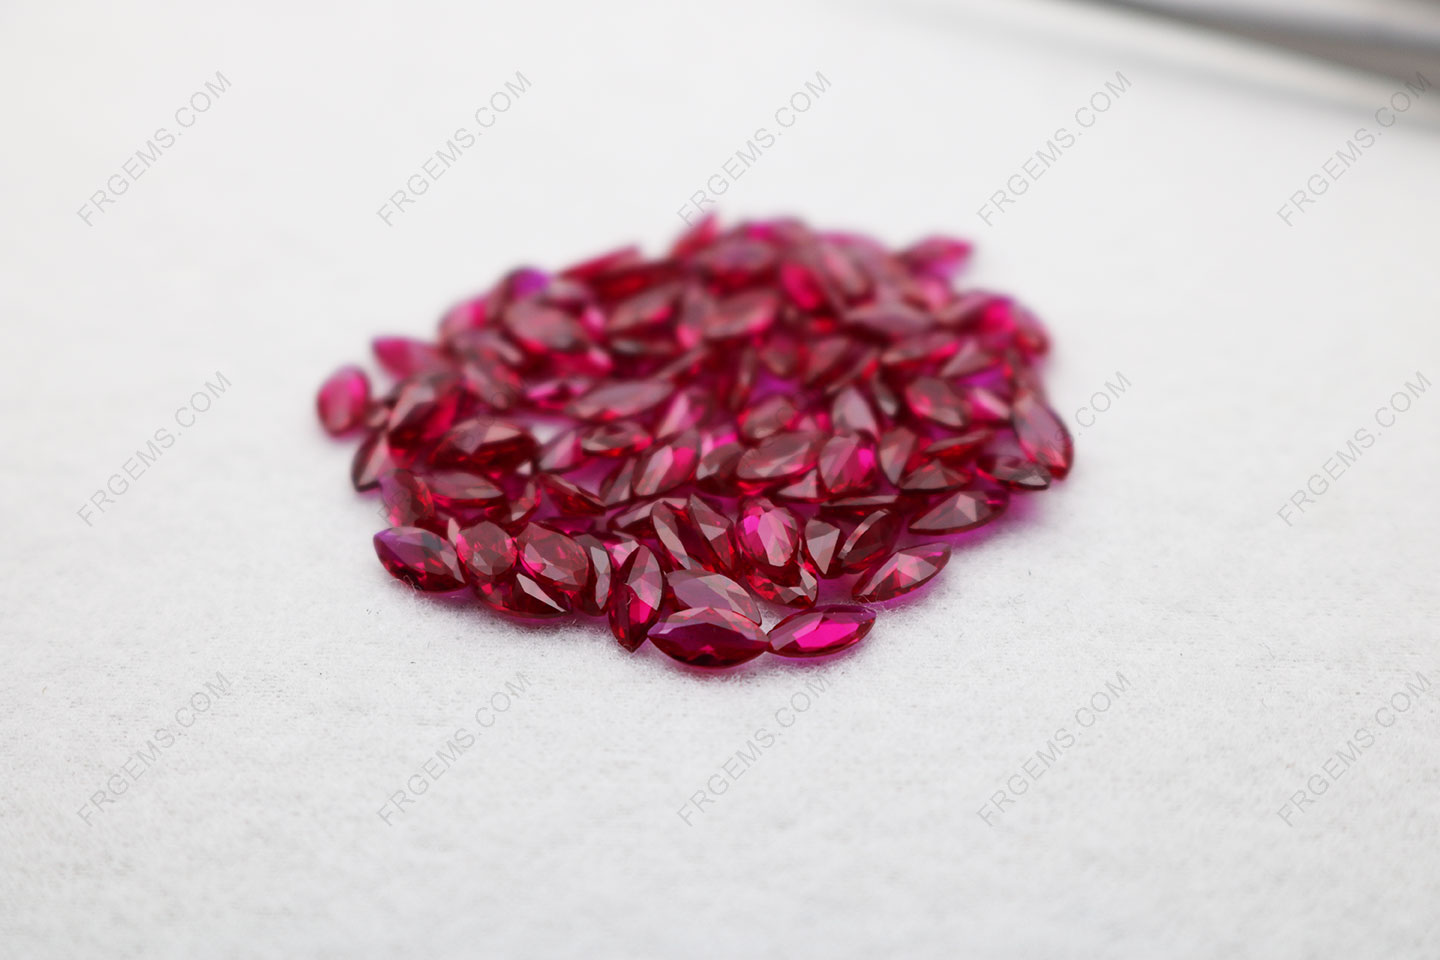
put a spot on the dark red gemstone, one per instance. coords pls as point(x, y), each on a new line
point(871, 539)
point(639, 592)
point(566, 497)
point(822, 631)
point(1016, 473)
point(666, 467)
point(850, 412)
point(691, 588)
point(891, 319)
point(767, 417)
point(486, 549)
point(617, 439)
point(424, 409)
point(847, 464)
point(542, 330)
point(618, 488)
point(940, 257)
point(768, 535)
point(595, 598)
point(647, 309)
point(716, 470)
point(896, 453)
point(343, 400)
point(799, 590)
point(717, 531)
point(484, 442)
point(933, 476)
point(522, 596)
point(822, 544)
point(553, 558)
point(958, 450)
point(902, 571)
point(620, 399)
point(934, 399)
point(706, 637)
point(778, 458)
point(455, 488)
point(519, 508)
point(743, 315)
point(561, 453)
point(961, 510)
point(420, 558)
point(408, 501)
point(805, 490)
point(1042, 435)
point(373, 459)
point(672, 530)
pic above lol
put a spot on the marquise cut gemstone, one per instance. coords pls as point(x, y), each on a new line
point(423, 559)
point(343, 400)
point(707, 637)
point(821, 631)
point(902, 571)
point(638, 593)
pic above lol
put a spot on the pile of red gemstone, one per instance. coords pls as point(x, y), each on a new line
point(663, 441)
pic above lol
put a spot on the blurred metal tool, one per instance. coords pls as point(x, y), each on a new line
point(1396, 51)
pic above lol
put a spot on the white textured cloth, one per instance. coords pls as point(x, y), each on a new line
point(1103, 734)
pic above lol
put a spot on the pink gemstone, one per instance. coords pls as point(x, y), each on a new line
point(638, 593)
point(871, 539)
point(847, 465)
point(850, 412)
point(455, 488)
point(343, 400)
point(799, 590)
point(407, 500)
point(902, 571)
point(424, 409)
point(420, 558)
point(743, 315)
point(707, 637)
point(961, 510)
point(805, 490)
point(617, 489)
point(767, 418)
point(970, 360)
point(403, 357)
point(668, 466)
point(519, 508)
point(897, 450)
point(822, 631)
point(935, 399)
point(716, 470)
point(893, 319)
point(620, 399)
point(648, 309)
point(822, 545)
point(958, 450)
point(373, 459)
point(933, 476)
point(768, 535)
point(484, 442)
point(1041, 434)
point(486, 550)
point(940, 257)
point(553, 559)
point(543, 330)
point(561, 453)
point(691, 588)
point(778, 458)
point(520, 595)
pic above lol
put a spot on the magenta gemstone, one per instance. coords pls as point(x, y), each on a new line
point(870, 540)
point(523, 597)
point(486, 549)
point(552, 558)
point(768, 535)
point(778, 457)
point(847, 464)
point(342, 400)
point(821, 631)
point(639, 592)
point(707, 637)
point(1041, 434)
point(408, 501)
point(960, 511)
point(902, 571)
point(690, 588)
point(420, 558)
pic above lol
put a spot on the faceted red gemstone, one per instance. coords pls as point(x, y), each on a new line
point(638, 593)
point(779, 457)
point(1042, 435)
point(847, 464)
point(892, 319)
point(986, 406)
point(647, 309)
point(742, 315)
point(637, 519)
point(373, 459)
point(961, 510)
point(618, 487)
point(689, 588)
point(902, 572)
point(940, 257)
point(716, 470)
point(519, 508)
point(958, 450)
point(672, 530)
point(1016, 473)
point(542, 330)
point(420, 558)
point(486, 549)
point(484, 442)
point(850, 412)
point(767, 417)
point(560, 453)
point(717, 531)
point(522, 596)
point(897, 449)
point(603, 264)
point(805, 490)
point(666, 467)
point(403, 357)
point(870, 540)
point(864, 506)
point(423, 411)
point(925, 349)
point(822, 545)
point(935, 399)
point(971, 359)
point(932, 476)
point(408, 501)
point(553, 558)
point(799, 590)
point(616, 439)
point(824, 357)
point(768, 535)
point(595, 598)
point(455, 488)
point(688, 408)
point(822, 631)
point(620, 399)
point(707, 637)
point(566, 497)
point(343, 400)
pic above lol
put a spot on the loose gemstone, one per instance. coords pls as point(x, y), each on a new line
point(1042, 435)
point(671, 529)
point(717, 531)
point(373, 459)
point(483, 443)
point(933, 476)
point(455, 488)
point(542, 330)
point(822, 631)
point(847, 465)
point(424, 409)
point(618, 488)
point(805, 490)
point(522, 596)
point(594, 599)
point(553, 558)
point(902, 571)
point(870, 540)
point(958, 450)
point(961, 510)
point(716, 470)
point(767, 418)
point(822, 544)
point(971, 359)
point(742, 315)
point(666, 467)
point(799, 591)
point(566, 497)
point(420, 558)
point(850, 412)
point(343, 400)
point(402, 357)
point(486, 550)
point(519, 508)
point(777, 458)
point(935, 399)
point(560, 453)
point(1016, 473)
point(707, 637)
point(893, 320)
point(620, 399)
point(637, 520)
point(648, 309)
point(768, 535)
point(689, 588)
point(897, 449)
point(639, 591)
point(408, 501)
point(985, 406)
point(940, 257)
point(615, 439)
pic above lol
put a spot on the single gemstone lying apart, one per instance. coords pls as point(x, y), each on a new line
point(765, 417)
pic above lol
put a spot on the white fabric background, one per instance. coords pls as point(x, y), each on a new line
point(1253, 649)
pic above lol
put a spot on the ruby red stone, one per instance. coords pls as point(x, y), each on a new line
point(552, 558)
point(902, 571)
point(620, 399)
point(617, 439)
point(342, 400)
point(958, 450)
point(805, 490)
point(718, 533)
point(518, 508)
point(870, 540)
point(666, 467)
point(407, 499)
point(743, 315)
point(716, 469)
point(1042, 435)
point(822, 544)
point(594, 599)
point(934, 399)
point(850, 412)
point(933, 476)
point(689, 588)
point(486, 550)
point(768, 535)
point(937, 256)
point(707, 637)
point(847, 465)
point(1016, 473)
point(569, 498)
point(373, 459)
point(799, 590)
point(483, 443)
point(639, 592)
point(456, 488)
point(403, 357)
point(960, 511)
point(822, 631)
point(767, 418)
point(561, 453)
point(777, 458)
point(524, 597)
point(542, 330)
point(896, 452)
point(420, 558)
point(424, 409)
